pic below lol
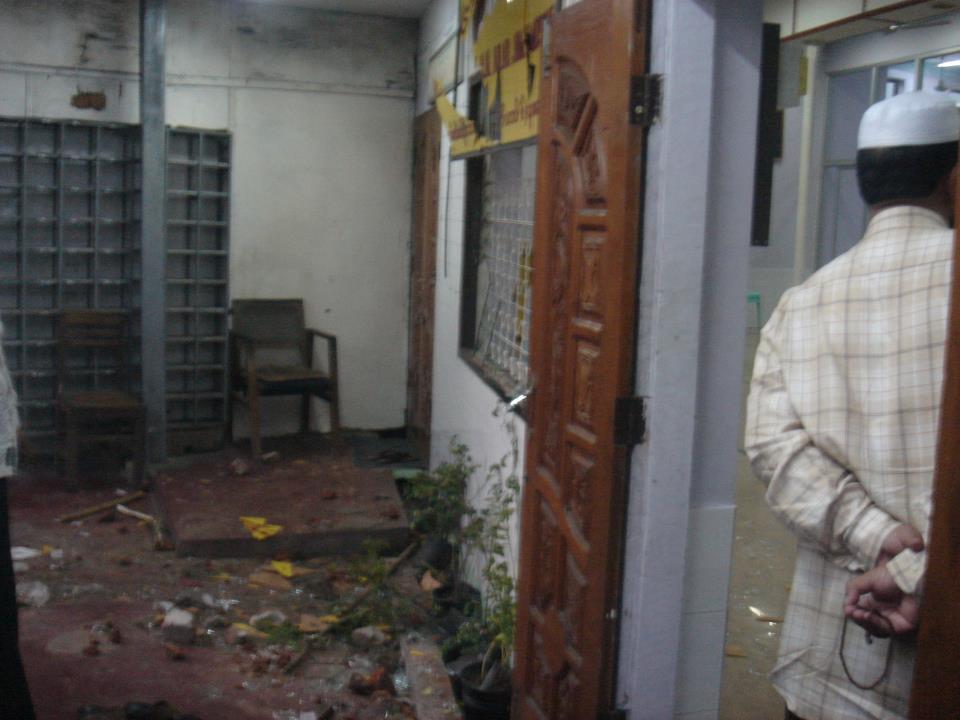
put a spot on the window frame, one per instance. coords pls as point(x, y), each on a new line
point(500, 382)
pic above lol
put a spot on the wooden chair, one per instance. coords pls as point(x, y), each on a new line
point(272, 354)
point(87, 411)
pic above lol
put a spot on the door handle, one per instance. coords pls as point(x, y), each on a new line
point(519, 399)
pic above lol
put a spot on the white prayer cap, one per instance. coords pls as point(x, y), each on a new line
point(914, 118)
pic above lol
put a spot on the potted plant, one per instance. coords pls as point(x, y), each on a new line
point(485, 683)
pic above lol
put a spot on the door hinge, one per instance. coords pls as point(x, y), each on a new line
point(617, 714)
point(630, 421)
point(646, 93)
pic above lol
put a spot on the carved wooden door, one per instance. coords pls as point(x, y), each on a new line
point(586, 251)
point(423, 267)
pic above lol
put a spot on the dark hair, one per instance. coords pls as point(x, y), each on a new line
point(905, 172)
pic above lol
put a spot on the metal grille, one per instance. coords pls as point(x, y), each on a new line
point(505, 264)
point(198, 193)
point(69, 235)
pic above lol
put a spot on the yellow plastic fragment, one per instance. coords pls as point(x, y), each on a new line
point(265, 531)
point(251, 523)
point(330, 619)
point(222, 576)
point(47, 549)
point(258, 527)
point(250, 630)
point(282, 567)
point(288, 569)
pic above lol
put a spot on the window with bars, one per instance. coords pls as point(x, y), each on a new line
point(498, 264)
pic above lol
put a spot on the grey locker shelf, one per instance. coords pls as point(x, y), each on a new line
point(198, 211)
point(70, 238)
point(69, 230)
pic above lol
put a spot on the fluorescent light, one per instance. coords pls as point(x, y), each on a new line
point(949, 63)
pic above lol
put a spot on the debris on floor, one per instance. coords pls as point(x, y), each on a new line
point(106, 618)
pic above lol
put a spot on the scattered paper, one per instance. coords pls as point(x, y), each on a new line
point(24, 553)
point(312, 624)
point(270, 580)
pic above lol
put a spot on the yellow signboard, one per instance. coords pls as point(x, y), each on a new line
point(507, 51)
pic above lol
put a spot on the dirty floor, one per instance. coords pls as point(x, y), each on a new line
point(99, 595)
point(761, 573)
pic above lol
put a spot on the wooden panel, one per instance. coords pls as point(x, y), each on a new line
point(423, 271)
point(936, 677)
point(582, 344)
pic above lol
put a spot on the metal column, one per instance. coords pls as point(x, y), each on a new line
point(153, 217)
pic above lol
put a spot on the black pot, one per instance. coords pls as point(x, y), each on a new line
point(436, 553)
point(455, 668)
point(484, 703)
point(456, 595)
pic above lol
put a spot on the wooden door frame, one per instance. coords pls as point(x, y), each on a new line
point(423, 270)
point(936, 682)
point(692, 320)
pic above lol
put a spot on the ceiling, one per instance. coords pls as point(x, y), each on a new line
point(389, 8)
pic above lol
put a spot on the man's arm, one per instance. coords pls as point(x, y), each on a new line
point(817, 498)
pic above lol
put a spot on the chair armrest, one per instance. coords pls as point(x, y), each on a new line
point(332, 359)
point(321, 333)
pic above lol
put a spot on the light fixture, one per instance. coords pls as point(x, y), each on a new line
point(949, 63)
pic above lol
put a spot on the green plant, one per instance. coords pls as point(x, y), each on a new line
point(492, 539)
point(439, 497)
point(286, 633)
point(440, 506)
point(382, 605)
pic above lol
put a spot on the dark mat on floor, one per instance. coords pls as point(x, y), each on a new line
point(370, 451)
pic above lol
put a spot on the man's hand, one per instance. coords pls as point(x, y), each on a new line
point(902, 537)
point(875, 602)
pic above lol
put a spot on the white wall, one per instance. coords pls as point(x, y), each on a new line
point(320, 106)
point(463, 405)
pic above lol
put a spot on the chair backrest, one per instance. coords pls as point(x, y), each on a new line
point(90, 332)
point(277, 322)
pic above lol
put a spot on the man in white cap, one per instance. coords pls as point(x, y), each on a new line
point(842, 422)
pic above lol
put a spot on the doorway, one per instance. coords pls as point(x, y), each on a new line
point(845, 77)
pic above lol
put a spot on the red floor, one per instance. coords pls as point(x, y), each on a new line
point(109, 571)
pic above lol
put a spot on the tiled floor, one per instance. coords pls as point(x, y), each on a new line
point(762, 567)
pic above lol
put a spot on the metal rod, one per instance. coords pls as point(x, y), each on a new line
point(153, 218)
